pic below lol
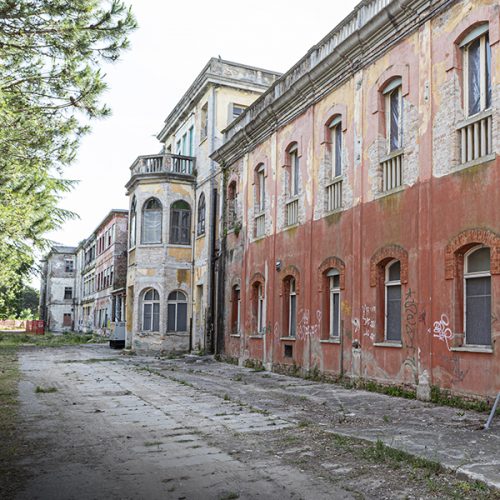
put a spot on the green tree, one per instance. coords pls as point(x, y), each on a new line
point(51, 53)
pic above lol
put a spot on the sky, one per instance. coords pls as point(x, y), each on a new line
point(174, 41)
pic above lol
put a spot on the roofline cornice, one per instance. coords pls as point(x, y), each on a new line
point(325, 67)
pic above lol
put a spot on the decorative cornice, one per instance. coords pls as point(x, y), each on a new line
point(372, 29)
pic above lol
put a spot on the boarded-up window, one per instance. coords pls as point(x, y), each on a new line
point(67, 319)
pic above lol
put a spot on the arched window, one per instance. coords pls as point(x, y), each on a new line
point(151, 311)
point(151, 221)
point(393, 301)
point(177, 312)
point(180, 223)
point(260, 308)
point(133, 223)
point(200, 229)
point(333, 276)
point(260, 188)
point(477, 296)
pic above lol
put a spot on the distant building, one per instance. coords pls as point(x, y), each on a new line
point(175, 208)
point(57, 289)
point(83, 288)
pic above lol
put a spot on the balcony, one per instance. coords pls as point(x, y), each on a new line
point(392, 171)
point(334, 196)
point(164, 164)
point(476, 137)
point(292, 212)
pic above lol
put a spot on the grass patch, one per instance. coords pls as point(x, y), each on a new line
point(11, 477)
point(89, 361)
point(441, 397)
point(45, 390)
point(48, 340)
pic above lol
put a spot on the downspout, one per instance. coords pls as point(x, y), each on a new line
point(221, 309)
point(193, 294)
point(209, 343)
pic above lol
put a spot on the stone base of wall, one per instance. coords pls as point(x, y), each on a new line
point(160, 345)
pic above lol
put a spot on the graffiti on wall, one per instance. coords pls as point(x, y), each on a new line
point(368, 321)
point(411, 314)
point(442, 331)
point(307, 329)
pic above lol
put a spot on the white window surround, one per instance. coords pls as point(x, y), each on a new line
point(260, 309)
point(470, 275)
point(476, 53)
point(390, 284)
point(334, 303)
point(292, 308)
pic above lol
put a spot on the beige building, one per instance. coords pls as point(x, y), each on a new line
point(174, 214)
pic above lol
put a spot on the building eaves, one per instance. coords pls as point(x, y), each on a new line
point(370, 30)
point(213, 73)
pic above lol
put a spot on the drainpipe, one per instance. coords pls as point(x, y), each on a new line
point(219, 339)
point(209, 335)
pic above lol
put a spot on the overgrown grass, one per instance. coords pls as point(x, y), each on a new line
point(10, 475)
point(444, 398)
point(48, 340)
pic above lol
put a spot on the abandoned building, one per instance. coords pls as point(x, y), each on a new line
point(57, 289)
point(362, 208)
point(175, 207)
point(83, 288)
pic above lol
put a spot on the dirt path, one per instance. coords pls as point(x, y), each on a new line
point(118, 427)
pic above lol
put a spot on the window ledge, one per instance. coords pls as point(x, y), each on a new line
point(336, 211)
point(258, 238)
point(331, 182)
point(330, 341)
point(288, 338)
point(388, 344)
point(474, 118)
point(473, 163)
point(256, 336)
point(149, 245)
point(473, 348)
point(178, 245)
point(392, 154)
point(199, 237)
point(235, 335)
point(291, 226)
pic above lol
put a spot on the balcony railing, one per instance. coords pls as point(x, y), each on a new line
point(475, 137)
point(292, 212)
point(334, 196)
point(260, 225)
point(392, 171)
point(164, 163)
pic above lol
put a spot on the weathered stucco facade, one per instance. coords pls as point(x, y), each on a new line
point(57, 289)
point(171, 280)
point(424, 204)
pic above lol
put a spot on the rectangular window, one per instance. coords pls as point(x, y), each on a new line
point(335, 305)
point(204, 122)
point(260, 310)
point(191, 141)
point(69, 265)
point(261, 185)
point(393, 302)
point(292, 310)
point(237, 110)
point(294, 173)
point(68, 293)
point(477, 70)
point(478, 310)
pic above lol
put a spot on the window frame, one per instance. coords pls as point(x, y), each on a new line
point(260, 308)
point(261, 188)
point(335, 132)
point(292, 299)
point(480, 33)
point(471, 275)
point(201, 222)
point(293, 159)
point(175, 303)
point(388, 283)
point(145, 212)
point(152, 302)
point(179, 240)
point(395, 86)
point(333, 290)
